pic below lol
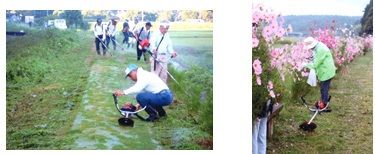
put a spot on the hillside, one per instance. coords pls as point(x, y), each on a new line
point(302, 23)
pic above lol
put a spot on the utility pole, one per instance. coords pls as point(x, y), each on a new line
point(142, 15)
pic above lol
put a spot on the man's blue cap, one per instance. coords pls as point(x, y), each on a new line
point(136, 20)
point(129, 69)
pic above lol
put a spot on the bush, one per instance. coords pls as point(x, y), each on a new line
point(195, 89)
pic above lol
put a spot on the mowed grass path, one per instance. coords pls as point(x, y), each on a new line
point(347, 129)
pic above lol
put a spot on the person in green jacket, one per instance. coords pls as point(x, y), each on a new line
point(323, 64)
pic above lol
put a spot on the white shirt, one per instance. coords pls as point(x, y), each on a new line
point(165, 45)
point(148, 82)
point(133, 28)
point(99, 29)
point(111, 30)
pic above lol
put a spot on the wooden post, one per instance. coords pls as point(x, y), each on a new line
point(276, 110)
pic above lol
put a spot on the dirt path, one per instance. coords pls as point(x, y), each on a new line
point(96, 126)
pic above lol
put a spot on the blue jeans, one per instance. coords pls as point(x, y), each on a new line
point(324, 88)
point(260, 136)
point(108, 39)
point(163, 98)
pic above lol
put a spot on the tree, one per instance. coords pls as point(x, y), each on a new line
point(165, 15)
point(366, 20)
point(131, 14)
point(207, 15)
point(72, 17)
point(187, 15)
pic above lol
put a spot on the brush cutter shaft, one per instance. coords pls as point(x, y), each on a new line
point(316, 112)
point(117, 43)
point(159, 61)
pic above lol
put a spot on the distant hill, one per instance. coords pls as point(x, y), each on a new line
point(302, 23)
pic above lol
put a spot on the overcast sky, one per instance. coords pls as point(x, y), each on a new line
point(317, 7)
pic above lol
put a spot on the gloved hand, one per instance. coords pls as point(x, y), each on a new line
point(103, 39)
point(303, 65)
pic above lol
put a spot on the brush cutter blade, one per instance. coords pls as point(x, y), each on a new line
point(307, 127)
point(125, 122)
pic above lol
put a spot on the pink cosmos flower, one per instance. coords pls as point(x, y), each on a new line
point(280, 32)
point(256, 17)
point(255, 42)
point(275, 53)
point(305, 74)
point(257, 67)
point(259, 82)
point(272, 16)
point(274, 26)
point(290, 29)
point(267, 31)
point(272, 94)
point(270, 84)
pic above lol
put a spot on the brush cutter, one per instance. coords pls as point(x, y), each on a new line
point(127, 114)
point(107, 49)
point(122, 48)
point(319, 108)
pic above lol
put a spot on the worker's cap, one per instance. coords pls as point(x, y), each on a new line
point(129, 69)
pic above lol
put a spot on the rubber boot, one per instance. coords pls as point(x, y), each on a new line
point(153, 115)
point(98, 51)
point(138, 58)
point(144, 56)
point(104, 52)
point(160, 110)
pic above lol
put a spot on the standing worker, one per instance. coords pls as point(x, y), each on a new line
point(99, 32)
point(160, 45)
point(324, 65)
point(111, 33)
point(131, 34)
point(142, 34)
point(125, 31)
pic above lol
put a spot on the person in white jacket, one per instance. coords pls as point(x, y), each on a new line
point(111, 33)
point(161, 47)
point(99, 32)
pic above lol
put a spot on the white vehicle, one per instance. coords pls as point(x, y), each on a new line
point(60, 23)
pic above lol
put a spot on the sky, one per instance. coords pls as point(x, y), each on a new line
point(317, 7)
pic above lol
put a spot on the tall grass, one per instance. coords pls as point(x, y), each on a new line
point(46, 73)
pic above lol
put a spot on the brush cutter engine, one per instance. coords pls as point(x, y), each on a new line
point(319, 108)
point(144, 44)
point(127, 111)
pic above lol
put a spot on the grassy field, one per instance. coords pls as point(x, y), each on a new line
point(347, 129)
point(59, 96)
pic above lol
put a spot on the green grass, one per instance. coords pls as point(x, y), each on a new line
point(347, 129)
